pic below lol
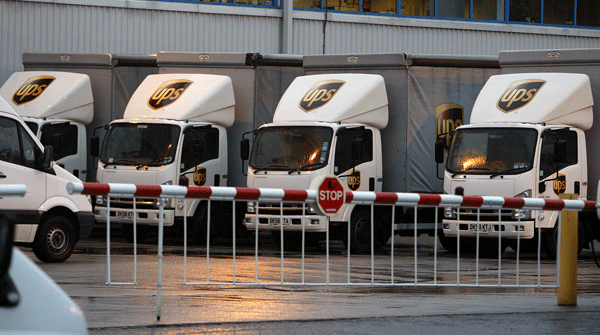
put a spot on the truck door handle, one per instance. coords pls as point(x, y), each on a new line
point(2, 175)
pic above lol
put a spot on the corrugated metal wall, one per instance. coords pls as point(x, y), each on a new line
point(144, 27)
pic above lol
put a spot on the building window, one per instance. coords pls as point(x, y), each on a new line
point(489, 10)
point(417, 7)
point(588, 13)
point(529, 11)
point(559, 12)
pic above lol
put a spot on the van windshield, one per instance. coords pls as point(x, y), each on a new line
point(492, 151)
point(140, 144)
point(291, 148)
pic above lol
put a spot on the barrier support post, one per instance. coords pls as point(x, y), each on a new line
point(567, 290)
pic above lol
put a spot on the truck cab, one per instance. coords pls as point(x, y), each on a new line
point(173, 133)
point(48, 219)
point(526, 138)
point(323, 125)
point(57, 107)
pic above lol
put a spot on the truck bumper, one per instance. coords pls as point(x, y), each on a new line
point(86, 223)
point(507, 229)
point(144, 216)
point(312, 223)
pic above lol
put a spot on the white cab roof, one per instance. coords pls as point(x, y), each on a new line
point(552, 98)
point(50, 94)
point(193, 97)
point(347, 98)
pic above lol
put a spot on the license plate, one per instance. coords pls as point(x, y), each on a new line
point(125, 215)
point(481, 227)
point(276, 221)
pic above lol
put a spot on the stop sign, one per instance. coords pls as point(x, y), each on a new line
point(331, 195)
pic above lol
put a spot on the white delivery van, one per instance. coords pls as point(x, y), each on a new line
point(48, 219)
point(30, 301)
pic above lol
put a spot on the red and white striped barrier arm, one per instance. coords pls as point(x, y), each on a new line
point(446, 200)
point(202, 192)
point(13, 190)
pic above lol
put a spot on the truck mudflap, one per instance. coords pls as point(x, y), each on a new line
point(508, 229)
point(86, 223)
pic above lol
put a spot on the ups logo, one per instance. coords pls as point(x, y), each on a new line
point(447, 118)
point(200, 176)
point(168, 92)
point(320, 94)
point(559, 185)
point(519, 94)
point(31, 89)
point(354, 180)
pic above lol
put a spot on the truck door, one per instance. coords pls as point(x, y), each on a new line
point(199, 155)
point(362, 177)
point(65, 139)
point(19, 157)
point(569, 178)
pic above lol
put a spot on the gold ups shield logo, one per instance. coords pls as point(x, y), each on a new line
point(354, 180)
point(168, 92)
point(559, 185)
point(200, 176)
point(447, 118)
point(320, 94)
point(519, 94)
point(31, 89)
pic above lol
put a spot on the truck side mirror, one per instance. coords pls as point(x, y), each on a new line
point(357, 149)
point(95, 146)
point(245, 149)
point(439, 151)
point(47, 157)
point(560, 151)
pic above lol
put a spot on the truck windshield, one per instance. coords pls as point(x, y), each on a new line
point(291, 148)
point(140, 144)
point(492, 151)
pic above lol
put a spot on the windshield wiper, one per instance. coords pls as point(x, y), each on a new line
point(469, 169)
point(507, 171)
point(153, 163)
point(270, 167)
point(119, 161)
point(304, 167)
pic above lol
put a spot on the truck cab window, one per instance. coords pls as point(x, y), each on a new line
point(547, 161)
point(65, 134)
point(200, 144)
point(31, 152)
point(343, 149)
point(10, 150)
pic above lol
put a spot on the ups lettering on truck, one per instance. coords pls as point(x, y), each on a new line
point(320, 94)
point(519, 94)
point(168, 92)
point(31, 89)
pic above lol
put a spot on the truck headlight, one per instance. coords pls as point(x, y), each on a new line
point(100, 200)
point(523, 214)
point(450, 213)
point(250, 207)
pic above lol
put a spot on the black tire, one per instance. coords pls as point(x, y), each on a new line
point(142, 232)
point(360, 233)
point(549, 239)
point(55, 239)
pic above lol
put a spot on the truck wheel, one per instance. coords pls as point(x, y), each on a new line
point(54, 240)
point(549, 239)
point(142, 232)
point(360, 232)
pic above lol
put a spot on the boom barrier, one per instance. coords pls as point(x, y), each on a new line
point(393, 273)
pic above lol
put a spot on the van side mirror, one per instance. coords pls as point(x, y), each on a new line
point(9, 296)
point(357, 149)
point(439, 151)
point(95, 146)
point(560, 151)
point(245, 149)
point(47, 157)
